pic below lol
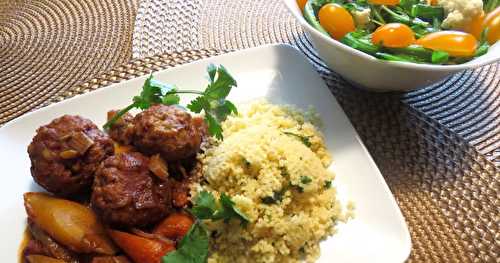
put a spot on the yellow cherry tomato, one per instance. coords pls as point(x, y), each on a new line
point(384, 2)
point(476, 26)
point(455, 43)
point(336, 20)
point(492, 22)
point(301, 4)
point(393, 35)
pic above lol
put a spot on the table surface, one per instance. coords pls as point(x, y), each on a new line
point(437, 147)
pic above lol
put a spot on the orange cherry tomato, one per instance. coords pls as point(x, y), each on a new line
point(301, 4)
point(393, 35)
point(336, 20)
point(384, 2)
point(432, 2)
point(476, 26)
point(456, 43)
point(492, 22)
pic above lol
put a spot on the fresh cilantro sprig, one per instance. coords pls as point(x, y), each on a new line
point(213, 101)
point(193, 248)
point(206, 207)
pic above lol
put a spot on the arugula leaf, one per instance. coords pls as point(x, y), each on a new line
point(193, 248)
point(204, 205)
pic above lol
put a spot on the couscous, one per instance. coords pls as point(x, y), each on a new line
point(272, 163)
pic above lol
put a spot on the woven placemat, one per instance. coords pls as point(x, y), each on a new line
point(467, 103)
point(448, 191)
point(47, 46)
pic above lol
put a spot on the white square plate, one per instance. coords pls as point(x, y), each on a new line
point(278, 73)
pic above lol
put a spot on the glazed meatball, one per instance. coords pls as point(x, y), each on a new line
point(123, 129)
point(127, 194)
point(166, 130)
point(66, 153)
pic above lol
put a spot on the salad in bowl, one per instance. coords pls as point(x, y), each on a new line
point(418, 41)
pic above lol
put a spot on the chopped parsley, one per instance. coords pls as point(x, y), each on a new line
point(246, 162)
point(328, 184)
point(304, 139)
point(305, 179)
point(284, 171)
point(275, 198)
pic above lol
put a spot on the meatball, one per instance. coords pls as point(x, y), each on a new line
point(123, 129)
point(66, 153)
point(165, 130)
point(127, 194)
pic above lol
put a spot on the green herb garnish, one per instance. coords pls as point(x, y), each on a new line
point(305, 140)
point(212, 101)
point(328, 184)
point(193, 248)
point(275, 198)
point(305, 179)
point(206, 207)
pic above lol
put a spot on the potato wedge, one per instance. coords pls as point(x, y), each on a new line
point(42, 259)
point(69, 223)
point(140, 249)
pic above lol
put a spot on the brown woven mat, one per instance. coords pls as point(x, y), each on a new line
point(448, 192)
point(468, 103)
point(47, 46)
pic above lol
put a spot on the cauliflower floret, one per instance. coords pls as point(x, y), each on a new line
point(362, 18)
point(459, 13)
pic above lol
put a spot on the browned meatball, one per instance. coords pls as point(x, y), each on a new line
point(127, 194)
point(166, 130)
point(123, 129)
point(65, 154)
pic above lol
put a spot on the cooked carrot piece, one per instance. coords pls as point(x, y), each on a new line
point(174, 226)
point(140, 249)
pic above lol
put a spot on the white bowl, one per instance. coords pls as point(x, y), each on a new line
point(378, 75)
